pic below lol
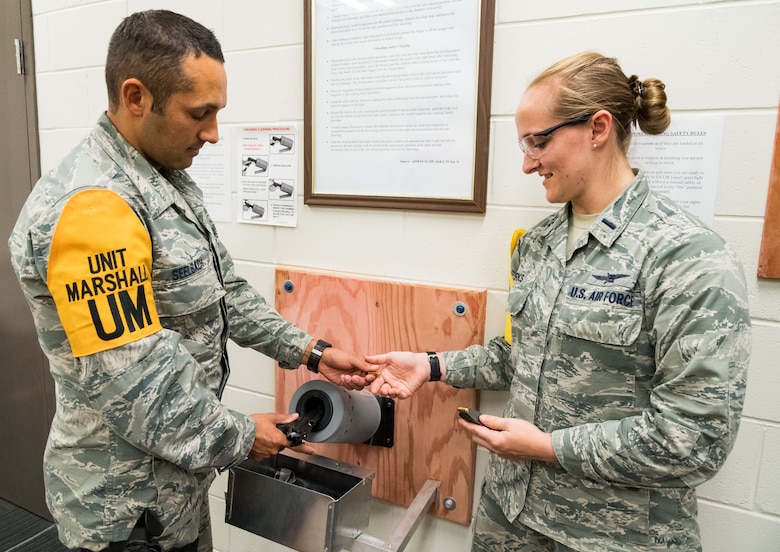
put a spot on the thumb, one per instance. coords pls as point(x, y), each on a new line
point(376, 361)
point(274, 417)
point(494, 422)
point(305, 448)
point(287, 418)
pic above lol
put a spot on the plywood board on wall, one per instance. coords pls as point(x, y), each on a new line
point(769, 257)
point(370, 316)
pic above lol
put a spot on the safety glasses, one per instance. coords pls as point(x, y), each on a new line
point(533, 145)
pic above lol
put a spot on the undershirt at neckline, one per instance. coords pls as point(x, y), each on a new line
point(578, 225)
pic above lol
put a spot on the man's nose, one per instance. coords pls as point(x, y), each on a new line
point(210, 131)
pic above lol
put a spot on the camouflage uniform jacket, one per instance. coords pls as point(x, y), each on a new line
point(633, 354)
point(134, 298)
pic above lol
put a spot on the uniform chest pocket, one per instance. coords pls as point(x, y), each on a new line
point(609, 315)
point(518, 295)
point(516, 303)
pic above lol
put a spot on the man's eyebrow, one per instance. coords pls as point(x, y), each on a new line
point(208, 105)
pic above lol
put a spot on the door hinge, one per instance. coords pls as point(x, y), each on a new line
point(19, 56)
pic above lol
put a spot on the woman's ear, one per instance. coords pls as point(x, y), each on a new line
point(601, 126)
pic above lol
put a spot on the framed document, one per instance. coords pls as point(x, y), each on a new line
point(397, 103)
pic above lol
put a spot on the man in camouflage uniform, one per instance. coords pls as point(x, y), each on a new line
point(630, 341)
point(134, 298)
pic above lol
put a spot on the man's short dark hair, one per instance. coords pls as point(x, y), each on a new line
point(151, 46)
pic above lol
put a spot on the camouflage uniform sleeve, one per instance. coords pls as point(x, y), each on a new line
point(697, 313)
point(256, 324)
point(480, 367)
point(490, 367)
point(151, 393)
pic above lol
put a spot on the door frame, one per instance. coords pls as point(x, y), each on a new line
point(28, 389)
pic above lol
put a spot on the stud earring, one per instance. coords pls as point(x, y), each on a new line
point(595, 145)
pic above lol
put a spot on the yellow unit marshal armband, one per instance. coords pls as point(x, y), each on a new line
point(99, 274)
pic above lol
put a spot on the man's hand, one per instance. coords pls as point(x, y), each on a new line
point(269, 439)
point(511, 438)
point(399, 374)
point(346, 369)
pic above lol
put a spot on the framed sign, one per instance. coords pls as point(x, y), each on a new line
point(397, 103)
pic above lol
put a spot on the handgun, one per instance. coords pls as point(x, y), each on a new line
point(297, 430)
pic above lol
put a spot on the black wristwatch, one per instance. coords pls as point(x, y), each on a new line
point(433, 359)
point(313, 362)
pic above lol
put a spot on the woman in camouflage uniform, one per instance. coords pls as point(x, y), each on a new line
point(630, 338)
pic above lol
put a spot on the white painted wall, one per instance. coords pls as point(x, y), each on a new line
point(715, 57)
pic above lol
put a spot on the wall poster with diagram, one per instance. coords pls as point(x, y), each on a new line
point(267, 175)
point(256, 164)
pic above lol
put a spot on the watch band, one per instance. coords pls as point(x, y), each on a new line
point(433, 359)
point(313, 362)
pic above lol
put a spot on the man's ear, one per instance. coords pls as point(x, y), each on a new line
point(601, 125)
point(135, 97)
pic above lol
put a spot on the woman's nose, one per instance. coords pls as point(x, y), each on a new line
point(529, 164)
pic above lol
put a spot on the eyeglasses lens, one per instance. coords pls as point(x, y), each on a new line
point(534, 145)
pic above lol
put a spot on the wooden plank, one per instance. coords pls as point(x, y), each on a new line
point(769, 257)
point(368, 316)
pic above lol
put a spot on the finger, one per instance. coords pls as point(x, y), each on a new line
point(259, 452)
point(359, 382)
point(305, 448)
point(377, 360)
point(257, 455)
point(480, 442)
point(386, 390)
point(354, 382)
point(466, 426)
point(285, 418)
point(493, 422)
point(481, 435)
point(363, 365)
point(376, 387)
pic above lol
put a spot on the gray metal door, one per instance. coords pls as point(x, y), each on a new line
point(26, 387)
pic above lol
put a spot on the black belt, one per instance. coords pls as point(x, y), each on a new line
point(143, 538)
point(143, 547)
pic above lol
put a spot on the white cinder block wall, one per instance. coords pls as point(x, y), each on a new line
point(717, 57)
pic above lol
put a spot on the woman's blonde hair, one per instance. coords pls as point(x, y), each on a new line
point(588, 82)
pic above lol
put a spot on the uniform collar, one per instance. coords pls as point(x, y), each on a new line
point(611, 221)
point(158, 189)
